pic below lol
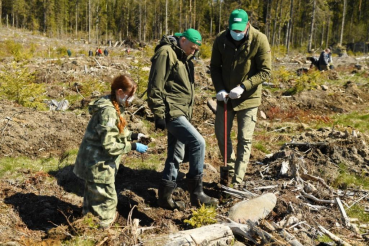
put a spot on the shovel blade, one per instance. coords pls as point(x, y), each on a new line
point(224, 176)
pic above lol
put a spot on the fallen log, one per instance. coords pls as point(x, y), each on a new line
point(317, 200)
point(216, 234)
point(333, 237)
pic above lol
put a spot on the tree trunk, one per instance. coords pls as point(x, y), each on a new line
point(1, 12)
point(89, 21)
point(312, 26)
point(343, 20)
point(329, 20)
point(166, 16)
point(220, 14)
point(290, 26)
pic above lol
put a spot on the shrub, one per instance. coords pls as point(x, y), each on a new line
point(202, 216)
point(205, 50)
point(18, 84)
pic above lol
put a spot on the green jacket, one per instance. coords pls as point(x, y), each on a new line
point(102, 146)
point(171, 81)
point(249, 64)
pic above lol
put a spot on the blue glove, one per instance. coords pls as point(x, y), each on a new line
point(141, 147)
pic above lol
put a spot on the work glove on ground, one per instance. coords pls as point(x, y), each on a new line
point(236, 92)
point(140, 135)
point(141, 147)
point(160, 123)
point(222, 95)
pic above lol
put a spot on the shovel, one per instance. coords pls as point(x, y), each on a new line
point(224, 173)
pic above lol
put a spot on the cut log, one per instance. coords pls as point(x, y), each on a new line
point(216, 234)
point(333, 237)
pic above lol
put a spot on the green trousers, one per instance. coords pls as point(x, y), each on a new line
point(101, 200)
point(246, 120)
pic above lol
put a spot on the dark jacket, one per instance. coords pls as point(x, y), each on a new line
point(171, 81)
point(249, 64)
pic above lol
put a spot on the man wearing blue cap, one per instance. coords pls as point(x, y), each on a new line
point(171, 99)
point(240, 62)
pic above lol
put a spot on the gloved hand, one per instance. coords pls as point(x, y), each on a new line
point(141, 147)
point(140, 135)
point(236, 92)
point(160, 123)
point(221, 95)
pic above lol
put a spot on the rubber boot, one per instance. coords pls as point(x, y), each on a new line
point(197, 195)
point(166, 189)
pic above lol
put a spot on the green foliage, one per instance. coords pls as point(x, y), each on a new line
point(18, 84)
point(280, 76)
point(261, 146)
point(205, 50)
point(308, 81)
point(16, 50)
point(345, 179)
point(140, 74)
point(325, 239)
point(358, 211)
point(355, 120)
point(202, 216)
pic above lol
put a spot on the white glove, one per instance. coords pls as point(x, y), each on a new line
point(236, 92)
point(140, 135)
point(221, 95)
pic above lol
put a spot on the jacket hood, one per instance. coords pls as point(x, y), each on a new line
point(173, 42)
point(100, 103)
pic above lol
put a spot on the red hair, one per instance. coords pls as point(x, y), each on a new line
point(129, 87)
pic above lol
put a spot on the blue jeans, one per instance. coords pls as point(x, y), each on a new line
point(181, 133)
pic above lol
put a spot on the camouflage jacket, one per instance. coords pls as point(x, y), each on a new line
point(249, 64)
point(102, 146)
point(171, 88)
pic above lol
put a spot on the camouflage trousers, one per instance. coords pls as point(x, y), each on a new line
point(246, 120)
point(101, 200)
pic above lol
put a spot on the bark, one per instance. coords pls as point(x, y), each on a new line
point(312, 26)
point(343, 20)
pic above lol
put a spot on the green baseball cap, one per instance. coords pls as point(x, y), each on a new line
point(238, 20)
point(191, 34)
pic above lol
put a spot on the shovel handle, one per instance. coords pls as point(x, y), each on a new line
point(225, 132)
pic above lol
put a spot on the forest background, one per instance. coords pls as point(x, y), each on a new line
point(298, 24)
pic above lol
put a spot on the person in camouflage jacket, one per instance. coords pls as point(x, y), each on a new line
point(171, 95)
point(240, 62)
point(105, 141)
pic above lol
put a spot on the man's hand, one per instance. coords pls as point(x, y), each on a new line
point(141, 147)
point(236, 92)
point(222, 95)
point(160, 123)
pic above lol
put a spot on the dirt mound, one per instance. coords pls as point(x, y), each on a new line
point(28, 132)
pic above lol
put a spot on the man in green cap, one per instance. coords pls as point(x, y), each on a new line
point(171, 98)
point(240, 62)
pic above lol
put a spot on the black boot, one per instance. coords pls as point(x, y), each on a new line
point(166, 189)
point(197, 194)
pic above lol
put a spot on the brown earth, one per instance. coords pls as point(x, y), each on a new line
point(38, 210)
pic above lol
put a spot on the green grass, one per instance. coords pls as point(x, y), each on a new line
point(358, 211)
point(10, 166)
point(261, 146)
point(355, 120)
point(346, 179)
point(325, 239)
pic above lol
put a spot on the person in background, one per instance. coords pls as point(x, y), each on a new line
point(106, 52)
point(324, 59)
point(171, 95)
point(240, 62)
point(90, 53)
point(106, 140)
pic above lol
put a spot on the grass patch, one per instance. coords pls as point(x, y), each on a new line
point(10, 166)
point(261, 147)
point(358, 211)
point(355, 120)
point(346, 179)
point(324, 239)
